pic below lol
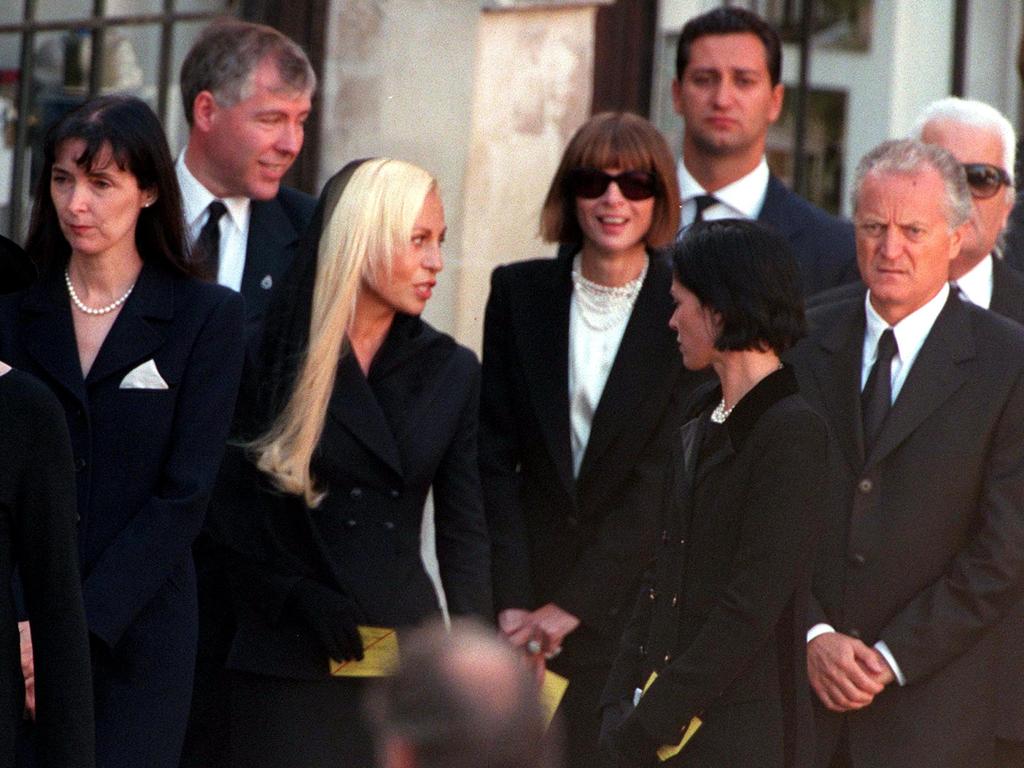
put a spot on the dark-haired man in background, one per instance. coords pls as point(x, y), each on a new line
point(727, 91)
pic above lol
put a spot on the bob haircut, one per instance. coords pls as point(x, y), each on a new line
point(369, 215)
point(125, 130)
point(746, 273)
point(614, 140)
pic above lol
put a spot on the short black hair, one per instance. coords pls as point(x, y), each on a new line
point(746, 272)
point(129, 129)
point(731, 21)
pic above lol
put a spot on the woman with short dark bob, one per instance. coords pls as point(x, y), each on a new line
point(721, 623)
point(582, 389)
point(145, 361)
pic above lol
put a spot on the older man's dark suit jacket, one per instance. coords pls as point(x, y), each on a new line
point(925, 545)
point(146, 461)
point(275, 228)
point(823, 245)
point(723, 620)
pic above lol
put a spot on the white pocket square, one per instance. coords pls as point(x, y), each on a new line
point(145, 376)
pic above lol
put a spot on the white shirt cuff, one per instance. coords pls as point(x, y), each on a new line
point(883, 649)
point(819, 629)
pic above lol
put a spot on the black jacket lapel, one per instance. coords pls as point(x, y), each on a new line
point(354, 406)
point(935, 375)
point(49, 334)
point(646, 358)
point(837, 368)
point(134, 337)
point(542, 333)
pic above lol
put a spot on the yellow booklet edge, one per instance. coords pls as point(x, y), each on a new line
point(551, 692)
point(380, 655)
point(669, 751)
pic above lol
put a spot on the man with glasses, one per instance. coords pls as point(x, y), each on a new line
point(728, 93)
point(983, 140)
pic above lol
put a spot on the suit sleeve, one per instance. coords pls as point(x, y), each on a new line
point(46, 551)
point(500, 455)
point(778, 529)
point(463, 547)
point(985, 579)
point(160, 535)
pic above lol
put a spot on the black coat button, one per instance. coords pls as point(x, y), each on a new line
point(356, 493)
point(350, 523)
point(79, 464)
point(571, 521)
point(858, 559)
point(388, 525)
point(865, 485)
point(394, 493)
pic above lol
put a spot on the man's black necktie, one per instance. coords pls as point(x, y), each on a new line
point(206, 251)
point(876, 399)
point(703, 202)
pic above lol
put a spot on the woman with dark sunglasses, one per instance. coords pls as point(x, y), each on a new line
point(582, 389)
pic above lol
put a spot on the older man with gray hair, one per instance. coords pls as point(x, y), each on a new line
point(247, 91)
point(923, 552)
point(460, 699)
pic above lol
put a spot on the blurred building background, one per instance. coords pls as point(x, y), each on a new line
point(485, 93)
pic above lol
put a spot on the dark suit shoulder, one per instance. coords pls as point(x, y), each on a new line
point(530, 269)
point(825, 315)
point(1002, 334)
point(298, 206)
point(800, 212)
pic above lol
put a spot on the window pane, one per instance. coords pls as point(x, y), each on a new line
point(220, 6)
point(59, 10)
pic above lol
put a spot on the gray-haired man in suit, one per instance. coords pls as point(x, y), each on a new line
point(247, 91)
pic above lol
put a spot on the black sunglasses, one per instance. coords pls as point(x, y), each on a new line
point(590, 183)
point(984, 179)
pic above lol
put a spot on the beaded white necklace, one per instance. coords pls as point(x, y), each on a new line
point(721, 413)
point(603, 306)
point(83, 307)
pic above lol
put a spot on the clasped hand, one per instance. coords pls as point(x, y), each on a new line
point(844, 672)
point(540, 633)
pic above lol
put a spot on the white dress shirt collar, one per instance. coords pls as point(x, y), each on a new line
point(234, 227)
point(741, 199)
point(976, 285)
point(910, 333)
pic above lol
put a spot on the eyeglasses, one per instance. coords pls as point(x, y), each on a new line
point(590, 183)
point(985, 179)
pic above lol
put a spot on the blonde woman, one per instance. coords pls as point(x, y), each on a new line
point(361, 408)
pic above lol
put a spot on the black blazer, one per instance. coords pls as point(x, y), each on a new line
point(275, 228)
point(722, 621)
point(145, 458)
point(580, 543)
point(823, 245)
point(388, 439)
point(924, 544)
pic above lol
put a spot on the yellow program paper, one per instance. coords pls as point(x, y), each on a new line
point(671, 750)
point(380, 655)
point(551, 692)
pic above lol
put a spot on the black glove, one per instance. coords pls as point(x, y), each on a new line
point(332, 615)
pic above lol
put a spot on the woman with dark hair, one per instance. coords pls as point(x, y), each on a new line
point(358, 409)
point(145, 361)
point(581, 397)
point(37, 536)
point(721, 626)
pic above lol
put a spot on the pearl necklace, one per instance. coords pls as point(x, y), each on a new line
point(82, 306)
point(603, 306)
point(721, 413)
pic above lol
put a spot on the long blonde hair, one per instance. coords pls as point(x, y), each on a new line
point(372, 220)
